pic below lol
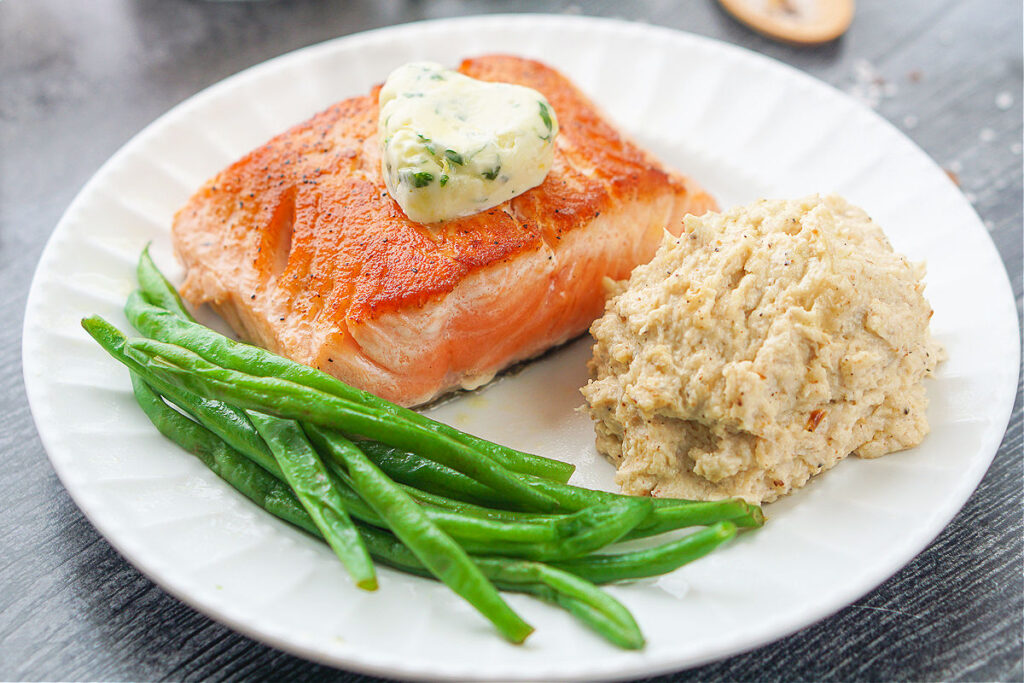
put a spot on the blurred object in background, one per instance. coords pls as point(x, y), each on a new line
point(799, 22)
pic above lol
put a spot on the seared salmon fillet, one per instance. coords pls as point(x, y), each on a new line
point(300, 248)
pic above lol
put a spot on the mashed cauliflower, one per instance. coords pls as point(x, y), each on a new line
point(759, 348)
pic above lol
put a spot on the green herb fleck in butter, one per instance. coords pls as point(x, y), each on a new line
point(452, 146)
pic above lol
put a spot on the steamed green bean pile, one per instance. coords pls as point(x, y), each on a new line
point(378, 482)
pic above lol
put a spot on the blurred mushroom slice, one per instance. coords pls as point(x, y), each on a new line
point(803, 22)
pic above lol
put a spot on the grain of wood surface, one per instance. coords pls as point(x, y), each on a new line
point(78, 79)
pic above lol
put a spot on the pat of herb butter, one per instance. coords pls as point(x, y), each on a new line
point(452, 146)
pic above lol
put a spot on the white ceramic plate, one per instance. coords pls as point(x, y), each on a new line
point(746, 127)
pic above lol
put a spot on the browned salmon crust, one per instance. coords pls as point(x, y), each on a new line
point(299, 247)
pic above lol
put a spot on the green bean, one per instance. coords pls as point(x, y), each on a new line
point(551, 538)
point(555, 537)
point(308, 478)
point(667, 513)
point(428, 475)
point(158, 290)
point(653, 561)
point(146, 315)
point(587, 603)
point(271, 494)
point(232, 425)
point(515, 539)
point(546, 538)
point(276, 498)
point(692, 513)
point(268, 492)
point(289, 400)
point(582, 599)
point(543, 539)
point(592, 529)
point(579, 533)
point(463, 508)
point(616, 624)
point(659, 520)
point(600, 525)
point(478, 534)
point(414, 469)
point(445, 559)
point(567, 584)
point(421, 472)
point(254, 482)
point(227, 422)
point(619, 632)
point(481, 535)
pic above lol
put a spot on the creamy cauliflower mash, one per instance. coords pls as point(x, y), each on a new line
point(759, 348)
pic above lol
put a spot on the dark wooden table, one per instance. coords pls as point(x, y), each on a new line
point(77, 79)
